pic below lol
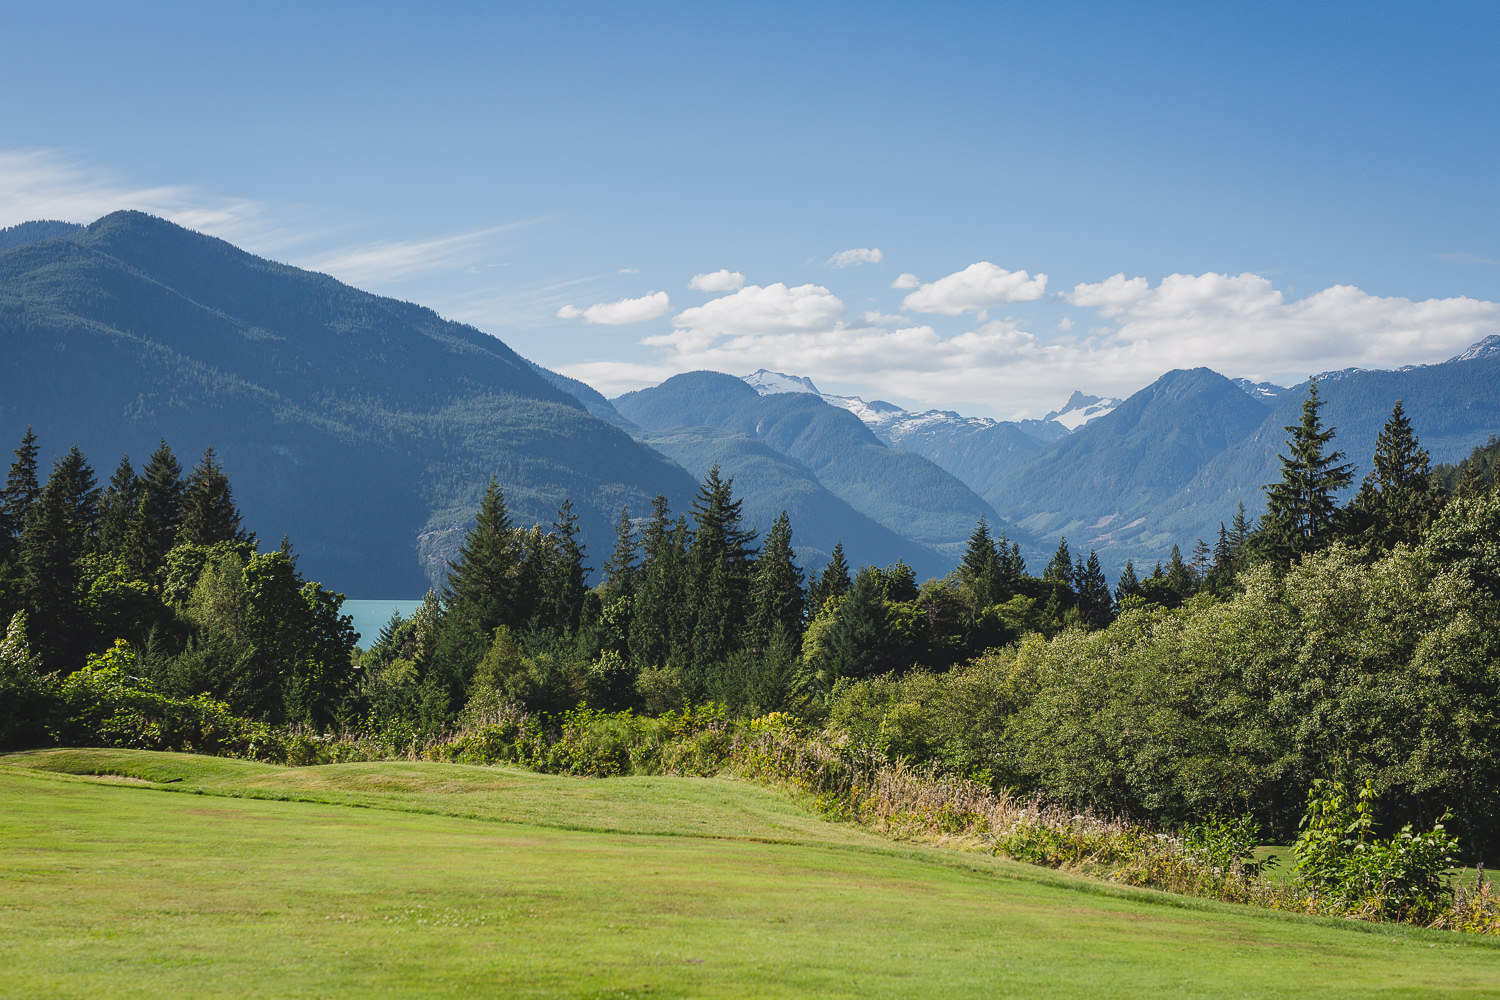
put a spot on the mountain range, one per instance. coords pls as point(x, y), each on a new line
point(366, 428)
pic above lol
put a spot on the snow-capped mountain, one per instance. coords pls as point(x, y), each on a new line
point(1260, 390)
point(1489, 347)
point(894, 424)
point(1080, 409)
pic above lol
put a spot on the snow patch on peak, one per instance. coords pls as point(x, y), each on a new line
point(1489, 347)
point(768, 382)
point(1260, 390)
point(1081, 408)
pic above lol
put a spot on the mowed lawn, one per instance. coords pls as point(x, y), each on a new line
point(431, 880)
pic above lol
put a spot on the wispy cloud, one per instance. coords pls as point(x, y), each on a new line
point(51, 184)
point(622, 312)
point(1469, 258)
point(859, 255)
point(390, 260)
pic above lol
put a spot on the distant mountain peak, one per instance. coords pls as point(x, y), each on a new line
point(1081, 408)
point(1260, 390)
point(1489, 347)
point(768, 382)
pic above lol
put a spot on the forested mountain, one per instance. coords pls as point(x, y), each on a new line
point(1112, 472)
point(364, 427)
point(905, 492)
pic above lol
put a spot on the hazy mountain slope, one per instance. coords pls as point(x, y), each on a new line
point(1452, 407)
point(33, 232)
point(1120, 466)
point(769, 482)
point(903, 491)
point(362, 426)
point(592, 399)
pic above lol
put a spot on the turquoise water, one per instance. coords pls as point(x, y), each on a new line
point(370, 616)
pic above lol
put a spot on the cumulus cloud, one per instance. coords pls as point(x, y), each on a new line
point(1243, 325)
point(621, 312)
point(906, 280)
point(722, 280)
point(974, 289)
point(861, 255)
point(755, 310)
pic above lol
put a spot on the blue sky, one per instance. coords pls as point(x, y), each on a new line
point(1061, 196)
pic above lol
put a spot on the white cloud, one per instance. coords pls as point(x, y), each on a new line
point(1243, 325)
point(389, 260)
point(905, 281)
point(49, 184)
point(877, 318)
point(621, 312)
point(861, 255)
point(975, 288)
point(722, 280)
point(754, 310)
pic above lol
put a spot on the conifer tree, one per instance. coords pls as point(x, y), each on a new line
point(1300, 508)
point(1128, 585)
point(209, 515)
point(22, 488)
point(776, 597)
point(153, 526)
point(832, 582)
point(1397, 501)
point(480, 585)
point(1060, 569)
point(565, 587)
point(980, 570)
point(80, 495)
point(620, 570)
point(49, 550)
point(1094, 604)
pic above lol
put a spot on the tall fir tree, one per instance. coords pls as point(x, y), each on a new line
point(565, 585)
point(153, 527)
point(1398, 500)
point(980, 569)
point(209, 515)
point(834, 581)
point(80, 491)
point(1301, 508)
point(777, 600)
point(481, 581)
point(22, 488)
point(117, 509)
point(621, 570)
point(1128, 585)
point(1095, 606)
point(49, 551)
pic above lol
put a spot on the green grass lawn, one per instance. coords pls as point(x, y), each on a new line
point(430, 880)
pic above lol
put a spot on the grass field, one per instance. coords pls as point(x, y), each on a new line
point(431, 880)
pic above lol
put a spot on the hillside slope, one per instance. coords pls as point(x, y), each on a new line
point(363, 427)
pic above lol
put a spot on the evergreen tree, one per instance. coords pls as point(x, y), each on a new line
point(620, 570)
point(1198, 567)
point(1094, 604)
point(832, 582)
point(49, 551)
point(1128, 585)
point(980, 570)
point(22, 488)
point(1300, 508)
point(80, 495)
point(856, 639)
point(1397, 501)
point(208, 511)
point(1060, 569)
point(565, 587)
point(776, 597)
point(480, 586)
point(153, 527)
point(719, 562)
point(656, 622)
point(1241, 530)
point(117, 508)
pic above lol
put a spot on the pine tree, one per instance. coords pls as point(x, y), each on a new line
point(48, 554)
point(22, 488)
point(116, 509)
point(832, 582)
point(1128, 585)
point(1060, 569)
point(565, 587)
point(1094, 604)
point(208, 511)
point(1397, 501)
point(776, 597)
point(480, 586)
point(1300, 508)
point(980, 569)
point(620, 570)
point(1198, 567)
point(80, 494)
point(153, 526)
